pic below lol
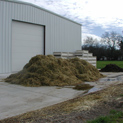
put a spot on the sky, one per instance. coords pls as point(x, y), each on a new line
point(96, 16)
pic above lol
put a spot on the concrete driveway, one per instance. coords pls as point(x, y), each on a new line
point(15, 99)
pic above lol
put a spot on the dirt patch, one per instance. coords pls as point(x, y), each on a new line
point(50, 71)
point(83, 86)
point(111, 68)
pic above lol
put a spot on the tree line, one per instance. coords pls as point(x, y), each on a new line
point(109, 47)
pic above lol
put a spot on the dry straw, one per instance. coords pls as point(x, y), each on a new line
point(50, 71)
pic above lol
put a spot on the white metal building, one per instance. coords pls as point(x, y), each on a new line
point(27, 30)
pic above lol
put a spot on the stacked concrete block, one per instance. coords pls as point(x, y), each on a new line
point(64, 55)
point(82, 54)
point(85, 55)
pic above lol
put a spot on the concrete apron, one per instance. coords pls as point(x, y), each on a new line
point(15, 99)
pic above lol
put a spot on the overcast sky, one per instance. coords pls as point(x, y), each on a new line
point(96, 16)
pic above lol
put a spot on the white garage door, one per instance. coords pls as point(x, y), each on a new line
point(27, 41)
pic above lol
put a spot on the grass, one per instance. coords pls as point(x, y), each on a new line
point(102, 64)
point(121, 95)
point(114, 117)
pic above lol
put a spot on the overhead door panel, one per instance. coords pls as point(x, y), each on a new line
point(27, 41)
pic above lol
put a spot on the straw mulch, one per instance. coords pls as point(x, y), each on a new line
point(50, 71)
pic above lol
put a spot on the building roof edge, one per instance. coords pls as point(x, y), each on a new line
point(31, 4)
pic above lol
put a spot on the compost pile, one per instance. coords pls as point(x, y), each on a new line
point(50, 71)
point(111, 68)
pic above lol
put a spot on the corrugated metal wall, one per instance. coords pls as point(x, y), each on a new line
point(60, 34)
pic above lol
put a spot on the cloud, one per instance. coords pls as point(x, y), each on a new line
point(90, 13)
point(104, 12)
point(85, 35)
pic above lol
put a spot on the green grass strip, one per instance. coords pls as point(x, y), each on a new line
point(114, 117)
point(102, 64)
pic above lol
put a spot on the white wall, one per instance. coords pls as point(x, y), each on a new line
point(61, 34)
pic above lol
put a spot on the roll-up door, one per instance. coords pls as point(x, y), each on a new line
point(27, 41)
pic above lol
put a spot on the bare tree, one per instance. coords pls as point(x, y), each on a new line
point(90, 41)
point(111, 39)
point(121, 45)
point(111, 47)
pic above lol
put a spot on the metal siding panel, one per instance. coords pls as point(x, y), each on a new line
point(4, 37)
point(16, 11)
point(24, 13)
point(60, 34)
point(48, 33)
point(1, 36)
point(7, 40)
point(9, 46)
point(51, 30)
